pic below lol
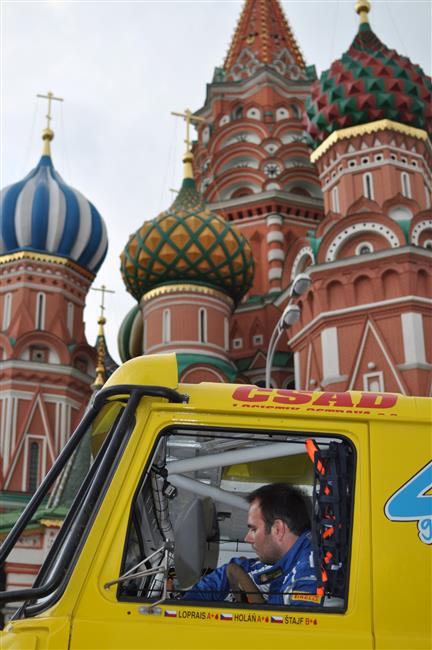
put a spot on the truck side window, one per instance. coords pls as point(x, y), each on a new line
point(190, 516)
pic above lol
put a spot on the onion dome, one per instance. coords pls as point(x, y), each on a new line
point(370, 82)
point(130, 335)
point(42, 214)
point(188, 243)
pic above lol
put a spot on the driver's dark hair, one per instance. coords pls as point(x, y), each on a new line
point(286, 502)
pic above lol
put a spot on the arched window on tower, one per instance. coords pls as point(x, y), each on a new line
point(166, 326)
point(368, 189)
point(40, 311)
point(406, 185)
point(7, 311)
point(238, 113)
point(33, 467)
point(335, 199)
point(202, 325)
point(70, 317)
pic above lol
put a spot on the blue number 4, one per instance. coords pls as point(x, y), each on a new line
point(412, 503)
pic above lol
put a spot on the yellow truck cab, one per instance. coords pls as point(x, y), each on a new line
point(163, 503)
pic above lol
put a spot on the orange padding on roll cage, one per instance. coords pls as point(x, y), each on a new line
point(311, 449)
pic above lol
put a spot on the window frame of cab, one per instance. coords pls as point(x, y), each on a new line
point(77, 505)
point(255, 434)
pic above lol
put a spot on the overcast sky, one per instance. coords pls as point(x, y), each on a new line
point(121, 68)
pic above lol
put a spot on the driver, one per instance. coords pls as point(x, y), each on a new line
point(284, 573)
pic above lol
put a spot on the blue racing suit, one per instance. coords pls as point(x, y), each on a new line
point(294, 572)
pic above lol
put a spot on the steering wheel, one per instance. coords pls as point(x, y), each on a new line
point(242, 584)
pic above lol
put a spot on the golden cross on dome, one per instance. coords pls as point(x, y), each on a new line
point(189, 118)
point(50, 97)
point(103, 291)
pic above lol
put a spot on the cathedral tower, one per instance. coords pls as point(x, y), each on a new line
point(252, 165)
point(52, 242)
point(187, 268)
point(366, 323)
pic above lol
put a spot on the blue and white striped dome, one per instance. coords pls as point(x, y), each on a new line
point(43, 214)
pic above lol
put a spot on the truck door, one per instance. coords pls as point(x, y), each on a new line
point(180, 513)
point(401, 472)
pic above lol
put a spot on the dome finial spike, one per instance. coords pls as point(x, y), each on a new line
point(100, 346)
point(363, 7)
point(48, 133)
point(189, 118)
point(103, 291)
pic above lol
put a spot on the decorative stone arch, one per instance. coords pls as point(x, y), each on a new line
point(282, 113)
point(232, 182)
point(391, 283)
point(363, 289)
point(360, 229)
point(296, 160)
point(253, 112)
point(421, 232)
point(243, 150)
point(56, 348)
point(289, 136)
point(300, 262)
point(272, 185)
point(228, 134)
point(401, 202)
point(84, 359)
point(303, 187)
point(242, 161)
point(423, 283)
point(335, 294)
point(241, 191)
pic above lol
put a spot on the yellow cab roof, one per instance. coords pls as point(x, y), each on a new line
point(161, 370)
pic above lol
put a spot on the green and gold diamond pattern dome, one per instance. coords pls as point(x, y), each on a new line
point(188, 244)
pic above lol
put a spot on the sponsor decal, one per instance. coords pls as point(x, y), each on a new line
point(413, 502)
point(300, 620)
point(187, 613)
point(263, 578)
point(239, 617)
point(311, 598)
point(327, 402)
